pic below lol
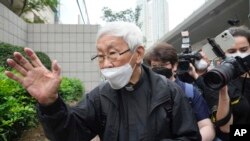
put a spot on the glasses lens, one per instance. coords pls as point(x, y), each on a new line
point(113, 56)
point(100, 58)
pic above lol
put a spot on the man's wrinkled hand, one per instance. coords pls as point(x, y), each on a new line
point(41, 83)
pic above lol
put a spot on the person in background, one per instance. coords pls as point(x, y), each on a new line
point(162, 58)
point(133, 104)
point(197, 70)
point(235, 101)
point(231, 104)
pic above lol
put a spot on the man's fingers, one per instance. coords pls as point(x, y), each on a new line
point(13, 76)
point(17, 67)
point(22, 61)
point(56, 68)
point(33, 57)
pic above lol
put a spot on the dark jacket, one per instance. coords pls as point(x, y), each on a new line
point(98, 114)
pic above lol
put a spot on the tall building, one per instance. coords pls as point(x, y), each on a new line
point(154, 18)
point(160, 20)
point(144, 19)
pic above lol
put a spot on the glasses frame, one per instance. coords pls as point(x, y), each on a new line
point(121, 53)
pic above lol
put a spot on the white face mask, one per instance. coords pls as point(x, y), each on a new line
point(118, 77)
point(201, 64)
point(242, 55)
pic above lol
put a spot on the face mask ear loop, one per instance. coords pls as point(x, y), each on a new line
point(133, 51)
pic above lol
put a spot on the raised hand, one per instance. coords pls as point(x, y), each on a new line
point(192, 72)
point(41, 83)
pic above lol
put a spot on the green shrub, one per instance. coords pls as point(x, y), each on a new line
point(71, 89)
point(17, 107)
point(44, 59)
point(7, 50)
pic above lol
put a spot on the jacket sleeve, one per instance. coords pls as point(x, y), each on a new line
point(62, 123)
point(184, 124)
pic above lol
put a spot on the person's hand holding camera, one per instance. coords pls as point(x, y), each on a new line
point(192, 72)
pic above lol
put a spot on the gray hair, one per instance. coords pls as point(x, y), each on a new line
point(129, 32)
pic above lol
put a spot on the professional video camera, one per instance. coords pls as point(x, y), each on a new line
point(230, 67)
point(187, 56)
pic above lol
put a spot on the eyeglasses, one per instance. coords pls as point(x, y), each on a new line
point(111, 56)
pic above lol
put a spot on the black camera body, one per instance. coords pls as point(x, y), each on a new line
point(230, 69)
point(185, 58)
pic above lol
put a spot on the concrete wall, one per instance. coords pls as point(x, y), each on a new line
point(71, 45)
point(12, 29)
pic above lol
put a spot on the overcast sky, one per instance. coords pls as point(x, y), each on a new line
point(178, 9)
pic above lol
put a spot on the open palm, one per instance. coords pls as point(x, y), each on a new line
point(41, 83)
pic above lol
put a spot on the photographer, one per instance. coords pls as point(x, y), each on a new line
point(163, 60)
point(196, 71)
point(238, 92)
point(239, 85)
point(233, 101)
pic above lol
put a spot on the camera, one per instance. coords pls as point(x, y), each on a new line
point(187, 56)
point(230, 69)
point(184, 59)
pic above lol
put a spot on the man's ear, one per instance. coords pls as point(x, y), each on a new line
point(140, 54)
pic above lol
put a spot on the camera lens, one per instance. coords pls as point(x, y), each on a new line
point(214, 79)
point(218, 77)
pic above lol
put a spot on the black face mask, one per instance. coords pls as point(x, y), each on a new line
point(163, 71)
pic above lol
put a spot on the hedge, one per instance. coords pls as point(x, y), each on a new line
point(17, 107)
point(7, 50)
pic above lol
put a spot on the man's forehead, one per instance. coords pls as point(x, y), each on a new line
point(111, 44)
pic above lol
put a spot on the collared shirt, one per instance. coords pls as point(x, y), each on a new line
point(134, 106)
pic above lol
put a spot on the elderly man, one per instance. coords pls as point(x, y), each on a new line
point(132, 104)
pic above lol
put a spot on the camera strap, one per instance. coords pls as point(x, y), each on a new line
point(224, 120)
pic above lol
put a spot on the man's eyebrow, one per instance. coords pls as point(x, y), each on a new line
point(110, 46)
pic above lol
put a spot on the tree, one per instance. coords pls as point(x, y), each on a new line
point(20, 7)
point(127, 15)
point(37, 5)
